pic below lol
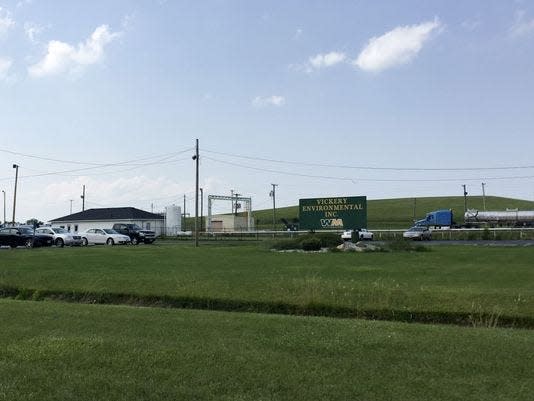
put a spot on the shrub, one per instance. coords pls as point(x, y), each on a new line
point(406, 245)
point(311, 244)
point(286, 244)
point(486, 234)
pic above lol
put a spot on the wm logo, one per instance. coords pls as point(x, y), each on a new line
point(327, 223)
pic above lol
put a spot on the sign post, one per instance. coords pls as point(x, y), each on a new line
point(337, 213)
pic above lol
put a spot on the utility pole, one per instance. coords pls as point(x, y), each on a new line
point(71, 205)
point(201, 209)
point(16, 167)
point(414, 207)
point(236, 204)
point(484, 195)
point(196, 159)
point(273, 195)
point(185, 224)
point(465, 198)
point(232, 200)
point(83, 199)
point(4, 192)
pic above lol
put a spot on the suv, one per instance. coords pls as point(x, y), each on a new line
point(136, 233)
point(60, 236)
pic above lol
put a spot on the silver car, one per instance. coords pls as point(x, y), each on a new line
point(418, 233)
point(60, 236)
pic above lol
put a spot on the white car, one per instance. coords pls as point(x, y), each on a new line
point(103, 236)
point(60, 236)
point(361, 235)
point(418, 233)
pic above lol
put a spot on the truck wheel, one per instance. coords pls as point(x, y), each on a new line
point(28, 243)
point(60, 243)
point(135, 241)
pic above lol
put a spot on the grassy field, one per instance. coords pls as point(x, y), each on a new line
point(53, 351)
point(475, 282)
point(398, 213)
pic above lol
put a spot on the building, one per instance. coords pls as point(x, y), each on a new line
point(106, 217)
point(228, 223)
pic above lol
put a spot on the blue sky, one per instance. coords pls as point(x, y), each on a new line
point(322, 98)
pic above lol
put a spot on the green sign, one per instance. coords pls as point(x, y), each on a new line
point(333, 213)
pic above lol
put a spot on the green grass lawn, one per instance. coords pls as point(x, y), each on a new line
point(472, 280)
point(54, 351)
point(398, 213)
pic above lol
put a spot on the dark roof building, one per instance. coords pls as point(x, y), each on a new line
point(110, 213)
point(107, 217)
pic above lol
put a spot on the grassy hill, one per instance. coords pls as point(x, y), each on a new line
point(399, 213)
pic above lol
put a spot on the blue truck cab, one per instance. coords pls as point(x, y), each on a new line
point(438, 218)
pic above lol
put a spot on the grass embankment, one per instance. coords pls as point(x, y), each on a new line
point(449, 284)
point(398, 213)
point(52, 351)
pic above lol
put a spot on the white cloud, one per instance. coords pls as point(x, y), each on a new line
point(5, 65)
point(274, 100)
point(6, 22)
point(521, 26)
point(395, 47)
point(32, 30)
point(298, 34)
point(62, 57)
point(327, 60)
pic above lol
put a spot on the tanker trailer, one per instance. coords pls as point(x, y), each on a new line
point(509, 217)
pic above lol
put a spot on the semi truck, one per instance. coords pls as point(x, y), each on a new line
point(476, 218)
point(438, 218)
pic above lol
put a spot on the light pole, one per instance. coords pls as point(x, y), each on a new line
point(16, 167)
point(4, 192)
point(71, 205)
point(484, 195)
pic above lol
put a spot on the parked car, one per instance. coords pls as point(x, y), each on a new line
point(136, 233)
point(360, 235)
point(22, 236)
point(106, 236)
point(418, 233)
point(60, 236)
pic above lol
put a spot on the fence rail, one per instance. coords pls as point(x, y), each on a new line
point(498, 233)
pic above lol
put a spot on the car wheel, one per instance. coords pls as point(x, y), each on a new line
point(85, 242)
point(135, 241)
point(28, 243)
point(110, 242)
point(60, 243)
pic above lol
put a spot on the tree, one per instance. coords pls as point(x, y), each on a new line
point(34, 222)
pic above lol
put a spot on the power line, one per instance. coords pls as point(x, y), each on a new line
point(89, 163)
point(355, 180)
point(308, 164)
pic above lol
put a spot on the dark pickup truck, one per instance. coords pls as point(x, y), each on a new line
point(136, 233)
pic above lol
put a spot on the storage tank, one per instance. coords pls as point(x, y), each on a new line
point(173, 220)
point(504, 217)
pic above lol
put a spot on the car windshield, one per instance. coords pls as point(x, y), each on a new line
point(24, 230)
point(60, 231)
point(134, 227)
point(110, 231)
point(417, 229)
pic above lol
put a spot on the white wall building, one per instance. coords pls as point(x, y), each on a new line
point(106, 217)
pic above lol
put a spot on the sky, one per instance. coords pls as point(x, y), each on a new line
point(385, 99)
